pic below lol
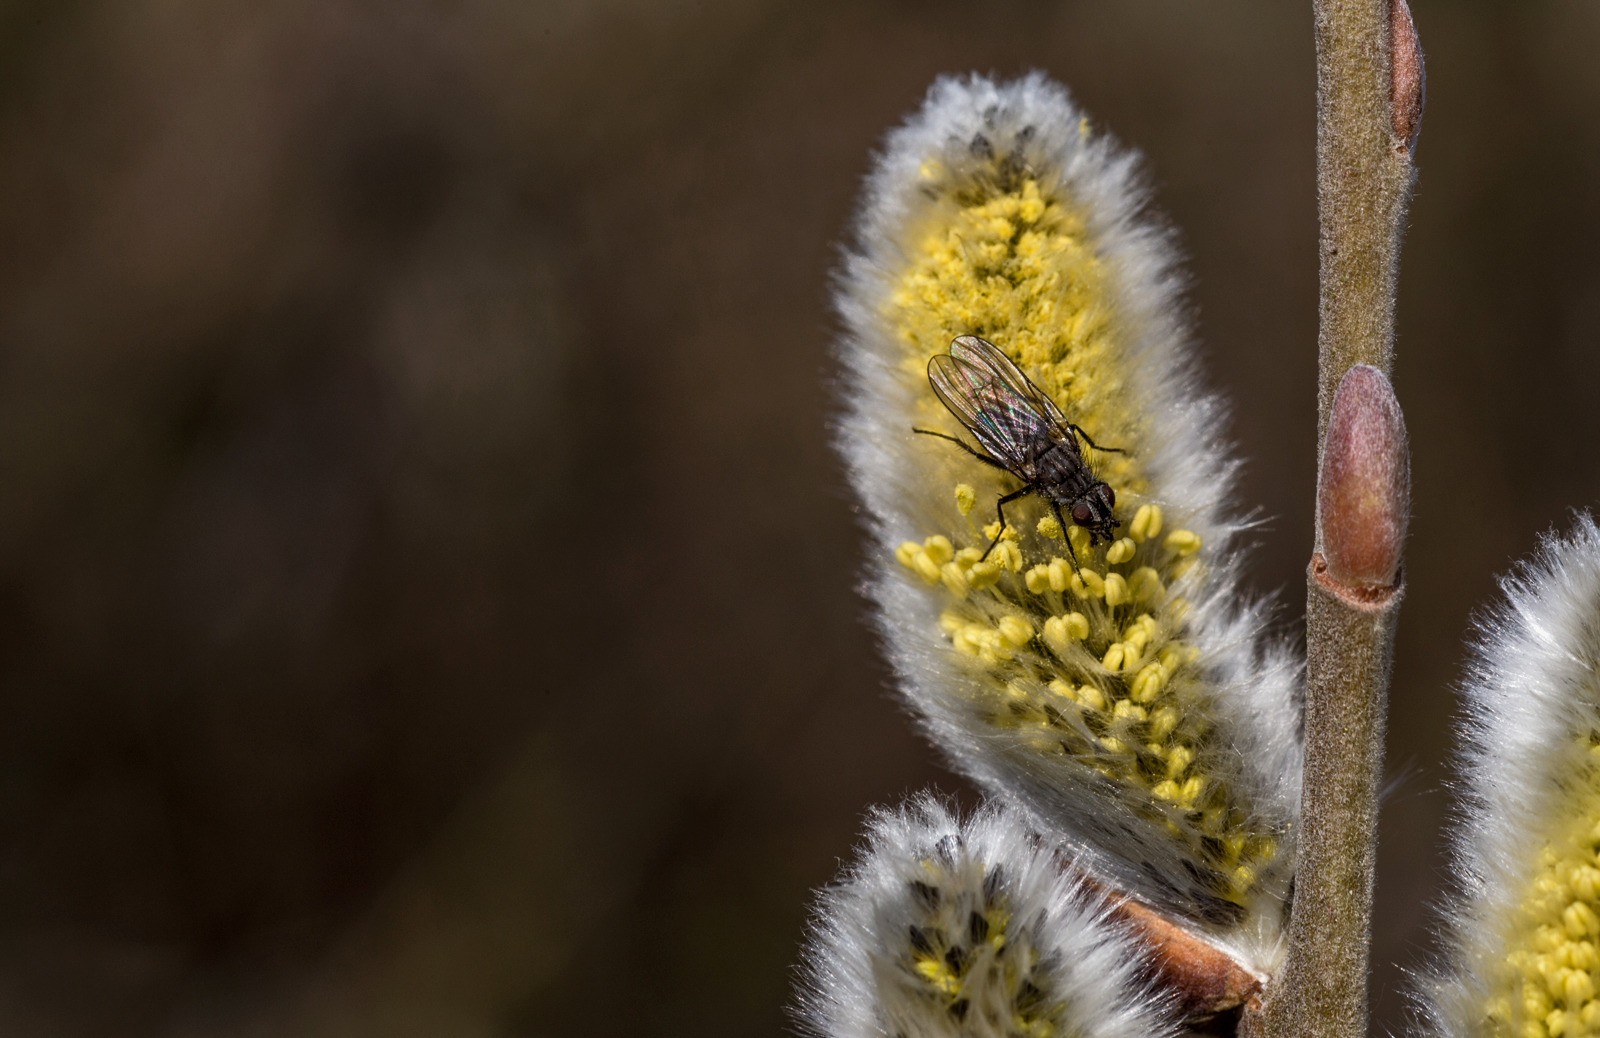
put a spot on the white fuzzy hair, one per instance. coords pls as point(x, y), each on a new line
point(1531, 694)
point(924, 866)
point(1252, 681)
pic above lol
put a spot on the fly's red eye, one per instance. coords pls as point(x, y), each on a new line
point(1082, 514)
point(1111, 498)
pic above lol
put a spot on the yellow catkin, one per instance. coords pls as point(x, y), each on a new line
point(1552, 966)
point(1081, 658)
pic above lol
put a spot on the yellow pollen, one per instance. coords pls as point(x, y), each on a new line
point(1048, 527)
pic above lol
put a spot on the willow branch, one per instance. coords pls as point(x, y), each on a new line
point(1369, 105)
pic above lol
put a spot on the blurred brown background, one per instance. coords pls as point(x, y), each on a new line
point(426, 590)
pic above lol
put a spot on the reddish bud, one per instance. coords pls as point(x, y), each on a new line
point(1408, 81)
point(1364, 490)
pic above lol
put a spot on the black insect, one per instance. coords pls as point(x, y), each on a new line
point(1022, 431)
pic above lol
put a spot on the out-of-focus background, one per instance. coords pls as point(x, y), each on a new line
point(427, 594)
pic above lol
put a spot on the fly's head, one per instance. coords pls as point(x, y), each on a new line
point(1092, 511)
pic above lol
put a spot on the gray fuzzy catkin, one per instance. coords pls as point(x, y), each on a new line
point(1531, 702)
point(974, 928)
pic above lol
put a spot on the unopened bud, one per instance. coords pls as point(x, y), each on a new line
point(1408, 81)
point(1364, 489)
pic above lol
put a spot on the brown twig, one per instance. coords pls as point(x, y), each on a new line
point(1369, 105)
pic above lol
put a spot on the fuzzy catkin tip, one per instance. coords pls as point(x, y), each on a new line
point(1364, 489)
point(974, 928)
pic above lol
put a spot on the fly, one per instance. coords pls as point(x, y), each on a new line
point(1022, 432)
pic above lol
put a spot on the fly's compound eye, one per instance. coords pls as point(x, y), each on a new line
point(1111, 498)
point(1082, 514)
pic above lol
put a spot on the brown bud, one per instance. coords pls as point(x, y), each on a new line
point(1364, 489)
point(1408, 81)
point(1205, 980)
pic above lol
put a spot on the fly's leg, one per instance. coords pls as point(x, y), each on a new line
point(981, 457)
point(1065, 530)
point(1108, 450)
point(1000, 513)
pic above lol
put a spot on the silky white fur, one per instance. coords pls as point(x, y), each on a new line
point(1531, 696)
point(904, 480)
point(857, 980)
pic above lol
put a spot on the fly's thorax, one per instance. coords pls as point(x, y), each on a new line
point(1061, 466)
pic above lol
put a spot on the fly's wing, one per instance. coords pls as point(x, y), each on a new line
point(985, 354)
point(1007, 424)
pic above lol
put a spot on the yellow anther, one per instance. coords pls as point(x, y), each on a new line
point(1113, 745)
point(1146, 523)
point(1579, 987)
point(954, 578)
point(1244, 877)
point(1172, 656)
point(1060, 574)
point(1116, 589)
point(982, 574)
point(1090, 696)
point(967, 556)
point(1580, 921)
point(1166, 790)
point(1177, 609)
point(950, 622)
point(939, 549)
point(1062, 631)
point(1135, 637)
point(1145, 585)
point(1092, 582)
point(993, 531)
point(1190, 791)
point(1162, 722)
point(1178, 760)
point(1008, 555)
point(1151, 680)
point(1121, 551)
point(926, 568)
point(1586, 882)
point(1128, 710)
point(966, 497)
point(1048, 527)
point(1015, 632)
point(1113, 657)
point(1037, 579)
point(907, 554)
point(1556, 1023)
point(1079, 538)
point(1184, 542)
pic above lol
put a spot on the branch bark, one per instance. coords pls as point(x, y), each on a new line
point(1369, 104)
